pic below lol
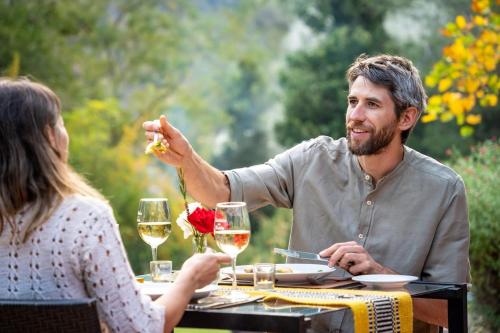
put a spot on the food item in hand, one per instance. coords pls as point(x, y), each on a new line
point(157, 146)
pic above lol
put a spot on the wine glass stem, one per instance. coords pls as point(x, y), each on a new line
point(153, 250)
point(233, 264)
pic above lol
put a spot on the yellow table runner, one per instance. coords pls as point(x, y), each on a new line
point(373, 311)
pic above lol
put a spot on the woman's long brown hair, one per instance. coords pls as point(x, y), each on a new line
point(32, 172)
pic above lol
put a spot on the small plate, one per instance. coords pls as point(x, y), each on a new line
point(384, 281)
point(299, 272)
point(156, 289)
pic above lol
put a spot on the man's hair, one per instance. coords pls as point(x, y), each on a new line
point(399, 76)
point(32, 172)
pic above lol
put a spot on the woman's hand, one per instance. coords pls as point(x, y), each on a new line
point(197, 272)
point(202, 269)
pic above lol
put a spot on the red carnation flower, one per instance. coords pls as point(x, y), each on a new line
point(202, 220)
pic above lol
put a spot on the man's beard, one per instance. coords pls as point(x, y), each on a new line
point(375, 143)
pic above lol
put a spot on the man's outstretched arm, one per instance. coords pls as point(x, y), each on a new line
point(204, 183)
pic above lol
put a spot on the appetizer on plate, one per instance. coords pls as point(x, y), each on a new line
point(279, 269)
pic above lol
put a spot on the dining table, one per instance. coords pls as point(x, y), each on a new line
point(280, 316)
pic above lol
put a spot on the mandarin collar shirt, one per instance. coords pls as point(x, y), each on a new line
point(414, 221)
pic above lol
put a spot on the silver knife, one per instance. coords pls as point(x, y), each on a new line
point(300, 255)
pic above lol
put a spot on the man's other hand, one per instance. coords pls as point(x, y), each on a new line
point(354, 258)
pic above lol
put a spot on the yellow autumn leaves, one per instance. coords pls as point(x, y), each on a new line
point(467, 76)
point(456, 106)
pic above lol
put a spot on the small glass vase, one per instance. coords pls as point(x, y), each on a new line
point(199, 243)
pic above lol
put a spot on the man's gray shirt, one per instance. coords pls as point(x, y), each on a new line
point(414, 221)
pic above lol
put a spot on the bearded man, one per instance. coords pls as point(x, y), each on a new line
point(367, 201)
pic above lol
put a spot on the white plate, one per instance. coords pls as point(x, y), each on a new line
point(387, 281)
point(156, 289)
point(300, 272)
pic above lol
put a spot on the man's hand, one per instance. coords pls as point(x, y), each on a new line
point(353, 258)
point(204, 183)
point(178, 146)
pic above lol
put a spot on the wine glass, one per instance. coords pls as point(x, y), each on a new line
point(232, 230)
point(153, 222)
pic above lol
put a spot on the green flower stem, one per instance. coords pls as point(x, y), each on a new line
point(182, 188)
point(199, 242)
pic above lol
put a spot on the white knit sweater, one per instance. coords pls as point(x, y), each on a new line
point(78, 253)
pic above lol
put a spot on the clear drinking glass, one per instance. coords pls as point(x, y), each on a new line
point(232, 230)
point(153, 222)
point(264, 275)
point(161, 270)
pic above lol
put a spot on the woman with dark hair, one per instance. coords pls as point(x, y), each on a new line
point(58, 236)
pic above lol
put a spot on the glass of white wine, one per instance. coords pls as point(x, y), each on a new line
point(232, 230)
point(153, 222)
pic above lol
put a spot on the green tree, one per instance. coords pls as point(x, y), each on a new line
point(246, 101)
point(114, 63)
point(248, 138)
point(92, 48)
point(314, 82)
point(481, 174)
point(117, 63)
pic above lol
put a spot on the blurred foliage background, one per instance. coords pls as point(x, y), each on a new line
point(246, 79)
point(480, 171)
